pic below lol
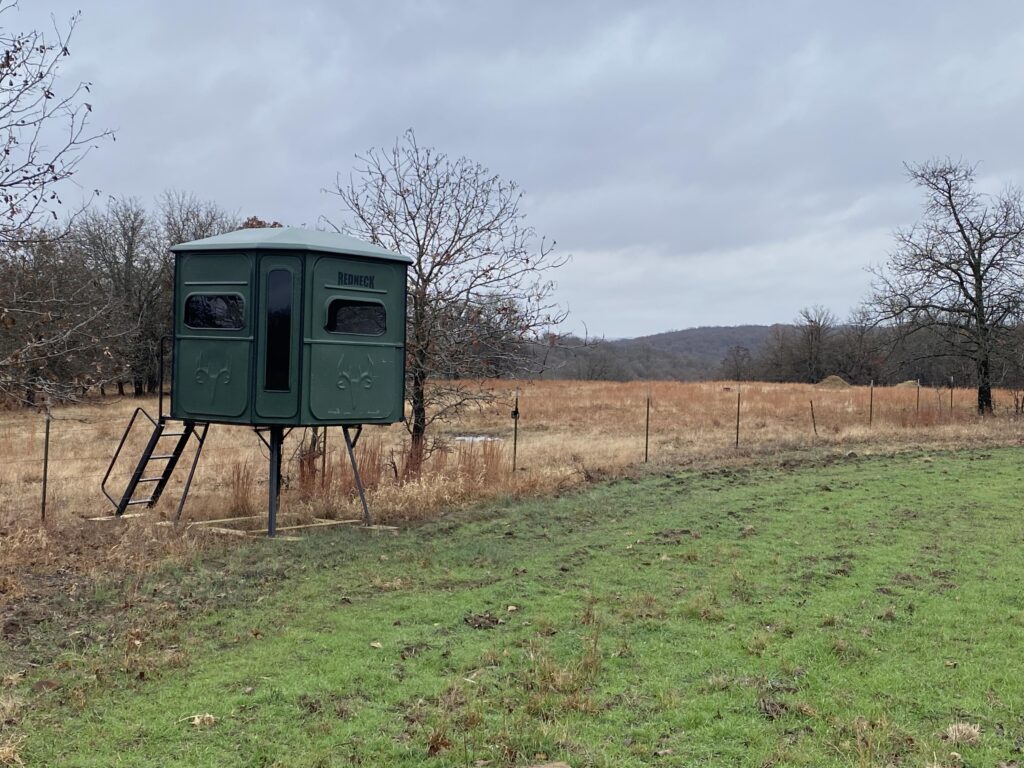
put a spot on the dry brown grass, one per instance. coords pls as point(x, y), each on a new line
point(242, 484)
point(569, 432)
point(10, 708)
point(833, 382)
point(9, 751)
point(961, 734)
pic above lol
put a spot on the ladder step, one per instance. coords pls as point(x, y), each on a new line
point(172, 434)
point(162, 456)
point(150, 479)
point(139, 501)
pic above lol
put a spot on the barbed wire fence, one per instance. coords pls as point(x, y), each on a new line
point(41, 457)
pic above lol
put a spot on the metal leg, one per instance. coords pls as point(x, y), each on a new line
point(350, 445)
point(280, 459)
point(274, 485)
point(191, 472)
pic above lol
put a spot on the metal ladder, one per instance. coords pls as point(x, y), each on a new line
point(157, 463)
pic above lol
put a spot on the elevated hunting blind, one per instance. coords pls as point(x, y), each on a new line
point(279, 328)
point(288, 326)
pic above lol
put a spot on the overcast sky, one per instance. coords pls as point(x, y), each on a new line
point(704, 163)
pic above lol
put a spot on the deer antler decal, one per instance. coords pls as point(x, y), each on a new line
point(212, 369)
point(353, 377)
point(367, 377)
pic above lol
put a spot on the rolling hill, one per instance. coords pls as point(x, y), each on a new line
point(690, 354)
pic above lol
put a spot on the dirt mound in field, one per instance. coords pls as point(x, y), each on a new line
point(833, 382)
point(908, 384)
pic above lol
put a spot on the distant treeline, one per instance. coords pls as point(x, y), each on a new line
point(83, 308)
point(814, 346)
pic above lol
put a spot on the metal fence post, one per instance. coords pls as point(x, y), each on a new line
point(46, 465)
point(515, 431)
point(647, 427)
point(737, 417)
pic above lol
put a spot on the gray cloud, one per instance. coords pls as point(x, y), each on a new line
point(706, 163)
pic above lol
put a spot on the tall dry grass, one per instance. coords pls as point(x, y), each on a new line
point(569, 431)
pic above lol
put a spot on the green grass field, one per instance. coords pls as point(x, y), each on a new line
point(841, 614)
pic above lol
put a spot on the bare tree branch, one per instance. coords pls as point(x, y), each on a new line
point(44, 128)
point(958, 272)
point(478, 285)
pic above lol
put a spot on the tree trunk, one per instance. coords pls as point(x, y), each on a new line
point(120, 388)
point(417, 362)
point(418, 400)
point(138, 387)
point(984, 386)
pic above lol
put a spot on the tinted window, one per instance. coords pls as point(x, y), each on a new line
point(365, 318)
point(279, 331)
point(223, 311)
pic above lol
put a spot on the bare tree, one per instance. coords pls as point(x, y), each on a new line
point(858, 349)
point(478, 287)
point(184, 217)
point(595, 360)
point(44, 129)
point(815, 329)
point(54, 322)
point(737, 363)
point(959, 270)
point(804, 351)
point(774, 360)
point(52, 310)
point(126, 246)
point(123, 249)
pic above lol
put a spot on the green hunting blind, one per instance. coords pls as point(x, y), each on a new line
point(278, 328)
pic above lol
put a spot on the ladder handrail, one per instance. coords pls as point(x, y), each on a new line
point(117, 453)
